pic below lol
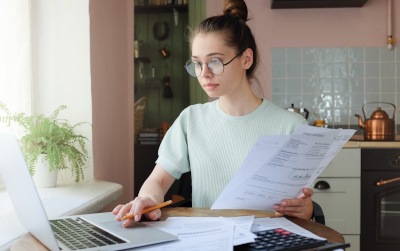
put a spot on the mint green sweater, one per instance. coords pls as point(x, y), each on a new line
point(212, 144)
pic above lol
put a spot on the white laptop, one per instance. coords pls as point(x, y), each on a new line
point(104, 232)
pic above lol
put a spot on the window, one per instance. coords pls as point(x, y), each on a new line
point(15, 59)
point(15, 56)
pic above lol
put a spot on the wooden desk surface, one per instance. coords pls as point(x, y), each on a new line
point(28, 242)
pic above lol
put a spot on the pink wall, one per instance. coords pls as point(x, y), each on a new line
point(112, 63)
point(111, 55)
point(321, 27)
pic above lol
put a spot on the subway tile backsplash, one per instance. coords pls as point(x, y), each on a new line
point(335, 83)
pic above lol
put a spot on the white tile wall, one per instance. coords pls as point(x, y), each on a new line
point(335, 83)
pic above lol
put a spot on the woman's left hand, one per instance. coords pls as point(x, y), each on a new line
point(301, 207)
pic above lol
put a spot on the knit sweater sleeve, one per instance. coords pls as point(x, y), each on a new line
point(173, 151)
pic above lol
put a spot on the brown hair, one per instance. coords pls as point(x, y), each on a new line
point(232, 23)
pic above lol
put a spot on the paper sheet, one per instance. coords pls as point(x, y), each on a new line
point(278, 167)
point(212, 234)
point(241, 233)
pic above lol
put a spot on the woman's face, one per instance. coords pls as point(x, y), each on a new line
point(233, 78)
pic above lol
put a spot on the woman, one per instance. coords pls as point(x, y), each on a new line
point(211, 140)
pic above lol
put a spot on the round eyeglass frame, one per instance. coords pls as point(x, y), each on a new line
point(191, 68)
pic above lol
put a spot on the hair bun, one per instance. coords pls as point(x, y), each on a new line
point(237, 8)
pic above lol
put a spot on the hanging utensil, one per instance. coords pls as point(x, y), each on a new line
point(176, 16)
point(153, 82)
point(167, 92)
point(165, 53)
point(160, 30)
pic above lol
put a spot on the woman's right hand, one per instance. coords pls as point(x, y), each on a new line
point(151, 193)
point(135, 207)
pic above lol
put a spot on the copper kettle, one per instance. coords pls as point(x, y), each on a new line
point(379, 126)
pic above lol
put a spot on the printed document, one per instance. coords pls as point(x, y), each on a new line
point(208, 234)
point(217, 233)
point(241, 233)
point(278, 167)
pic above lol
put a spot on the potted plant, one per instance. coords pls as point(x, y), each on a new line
point(51, 137)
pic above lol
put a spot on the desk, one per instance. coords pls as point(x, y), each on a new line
point(28, 242)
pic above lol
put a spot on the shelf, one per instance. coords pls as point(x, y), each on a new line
point(160, 8)
point(292, 4)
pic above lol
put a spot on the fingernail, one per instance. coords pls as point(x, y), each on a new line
point(284, 203)
point(137, 217)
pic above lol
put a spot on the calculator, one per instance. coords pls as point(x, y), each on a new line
point(280, 239)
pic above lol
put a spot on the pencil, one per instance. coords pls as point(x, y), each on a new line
point(146, 210)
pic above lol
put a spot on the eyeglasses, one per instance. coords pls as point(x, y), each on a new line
point(215, 65)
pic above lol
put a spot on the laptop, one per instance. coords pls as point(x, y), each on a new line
point(98, 231)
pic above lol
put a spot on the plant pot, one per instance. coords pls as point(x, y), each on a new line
point(43, 177)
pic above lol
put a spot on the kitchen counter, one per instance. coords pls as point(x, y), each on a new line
point(357, 141)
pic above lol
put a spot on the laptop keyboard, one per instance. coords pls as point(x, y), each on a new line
point(281, 239)
point(80, 234)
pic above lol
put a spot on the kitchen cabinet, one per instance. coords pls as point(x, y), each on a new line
point(291, 4)
point(149, 59)
point(161, 8)
point(156, 76)
point(186, 90)
point(341, 201)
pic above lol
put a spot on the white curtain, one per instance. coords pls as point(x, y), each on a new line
point(15, 55)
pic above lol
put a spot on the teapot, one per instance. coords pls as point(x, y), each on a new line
point(302, 111)
point(379, 126)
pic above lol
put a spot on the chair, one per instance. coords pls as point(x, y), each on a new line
point(318, 214)
point(183, 198)
point(184, 194)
